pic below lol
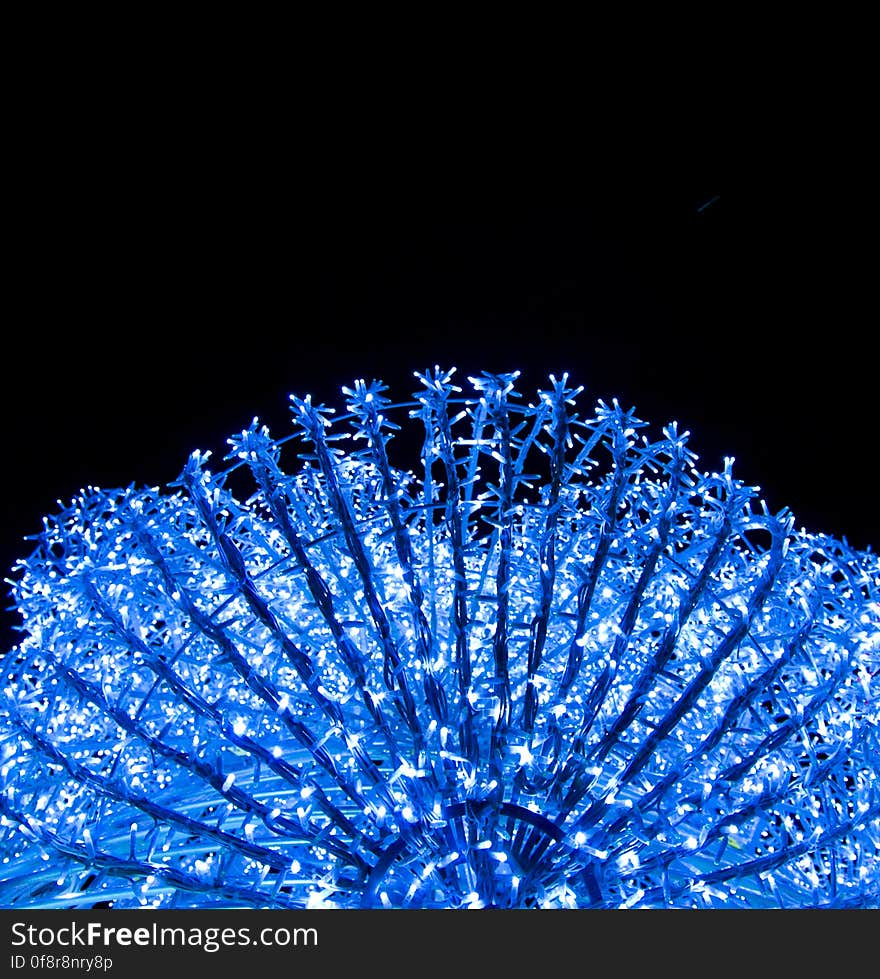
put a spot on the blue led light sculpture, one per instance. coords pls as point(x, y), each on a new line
point(561, 667)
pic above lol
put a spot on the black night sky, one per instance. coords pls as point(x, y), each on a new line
point(154, 323)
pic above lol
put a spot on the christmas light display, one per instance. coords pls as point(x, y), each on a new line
point(558, 666)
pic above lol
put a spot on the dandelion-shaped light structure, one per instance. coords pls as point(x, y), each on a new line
point(559, 667)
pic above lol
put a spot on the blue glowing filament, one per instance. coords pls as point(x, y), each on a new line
point(560, 667)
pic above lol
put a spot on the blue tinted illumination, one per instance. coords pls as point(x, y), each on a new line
point(555, 665)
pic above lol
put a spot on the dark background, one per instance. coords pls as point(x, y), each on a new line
point(153, 318)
